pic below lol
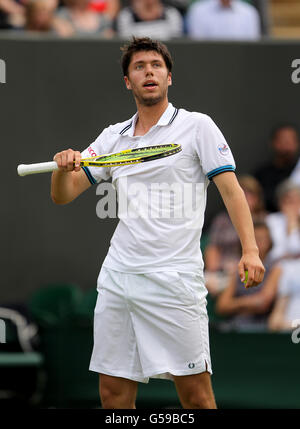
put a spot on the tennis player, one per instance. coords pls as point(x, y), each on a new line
point(150, 316)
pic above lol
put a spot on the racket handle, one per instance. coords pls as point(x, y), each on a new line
point(41, 167)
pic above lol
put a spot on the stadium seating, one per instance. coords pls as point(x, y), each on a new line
point(54, 303)
point(85, 307)
point(21, 365)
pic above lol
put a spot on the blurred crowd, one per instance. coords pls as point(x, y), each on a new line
point(273, 195)
point(159, 19)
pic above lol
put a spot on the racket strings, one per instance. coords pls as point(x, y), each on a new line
point(136, 153)
point(132, 156)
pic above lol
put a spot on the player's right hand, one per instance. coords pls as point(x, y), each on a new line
point(68, 160)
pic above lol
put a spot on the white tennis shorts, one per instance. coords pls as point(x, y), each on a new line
point(150, 325)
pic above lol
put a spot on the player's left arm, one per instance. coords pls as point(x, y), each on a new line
point(239, 212)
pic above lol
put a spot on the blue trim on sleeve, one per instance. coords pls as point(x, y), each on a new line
point(219, 170)
point(89, 175)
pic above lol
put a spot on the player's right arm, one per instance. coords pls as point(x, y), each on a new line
point(69, 181)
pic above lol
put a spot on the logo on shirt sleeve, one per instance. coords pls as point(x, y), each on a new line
point(91, 151)
point(223, 149)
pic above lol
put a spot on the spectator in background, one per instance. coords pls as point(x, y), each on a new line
point(78, 18)
point(180, 5)
point(295, 174)
point(110, 7)
point(254, 195)
point(149, 18)
point(39, 16)
point(250, 308)
point(285, 147)
point(287, 305)
point(223, 250)
point(285, 224)
point(12, 14)
point(223, 19)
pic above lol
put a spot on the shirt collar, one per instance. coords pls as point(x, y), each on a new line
point(166, 118)
point(167, 115)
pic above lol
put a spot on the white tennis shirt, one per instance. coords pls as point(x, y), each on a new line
point(209, 19)
point(161, 203)
point(289, 287)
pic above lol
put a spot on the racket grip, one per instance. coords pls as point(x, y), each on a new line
point(41, 167)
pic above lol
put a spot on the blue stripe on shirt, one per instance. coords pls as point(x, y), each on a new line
point(89, 175)
point(219, 170)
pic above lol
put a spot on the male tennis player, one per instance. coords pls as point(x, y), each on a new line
point(150, 316)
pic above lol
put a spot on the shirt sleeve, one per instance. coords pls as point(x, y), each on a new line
point(212, 149)
point(254, 25)
point(283, 244)
point(98, 147)
point(125, 24)
point(194, 22)
point(285, 280)
point(175, 22)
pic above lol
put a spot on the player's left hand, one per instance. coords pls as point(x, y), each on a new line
point(251, 262)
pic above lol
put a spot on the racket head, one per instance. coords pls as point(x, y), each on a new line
point(132, 156)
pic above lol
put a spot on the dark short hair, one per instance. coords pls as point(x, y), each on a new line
point(144, 44)
point(281, 126)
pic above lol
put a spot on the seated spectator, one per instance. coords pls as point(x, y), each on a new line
point(295, 174)
point(287, 305)
point(12, 14)
point(80, 19)
point(110, 7)
point(39, 16)
point(254, 196)
point(180, 5)
point(223, 251)
point(250, 308)
point(149, 18)
point(285, 147)
point(223, 19)
point(285, 224)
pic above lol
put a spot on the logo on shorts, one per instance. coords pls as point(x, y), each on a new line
point(223, 149)
point(191, 365)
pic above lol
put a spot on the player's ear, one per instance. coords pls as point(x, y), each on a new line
point(169, 79)
point(127, 82)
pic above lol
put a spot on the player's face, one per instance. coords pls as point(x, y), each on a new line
point(148, 78)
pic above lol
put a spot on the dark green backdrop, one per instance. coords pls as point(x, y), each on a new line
point(61, 94)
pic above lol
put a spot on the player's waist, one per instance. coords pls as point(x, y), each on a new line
point(140, 263)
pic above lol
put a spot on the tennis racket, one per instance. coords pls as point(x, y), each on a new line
point(125, 157)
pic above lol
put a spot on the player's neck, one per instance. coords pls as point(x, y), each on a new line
point(149, 116)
